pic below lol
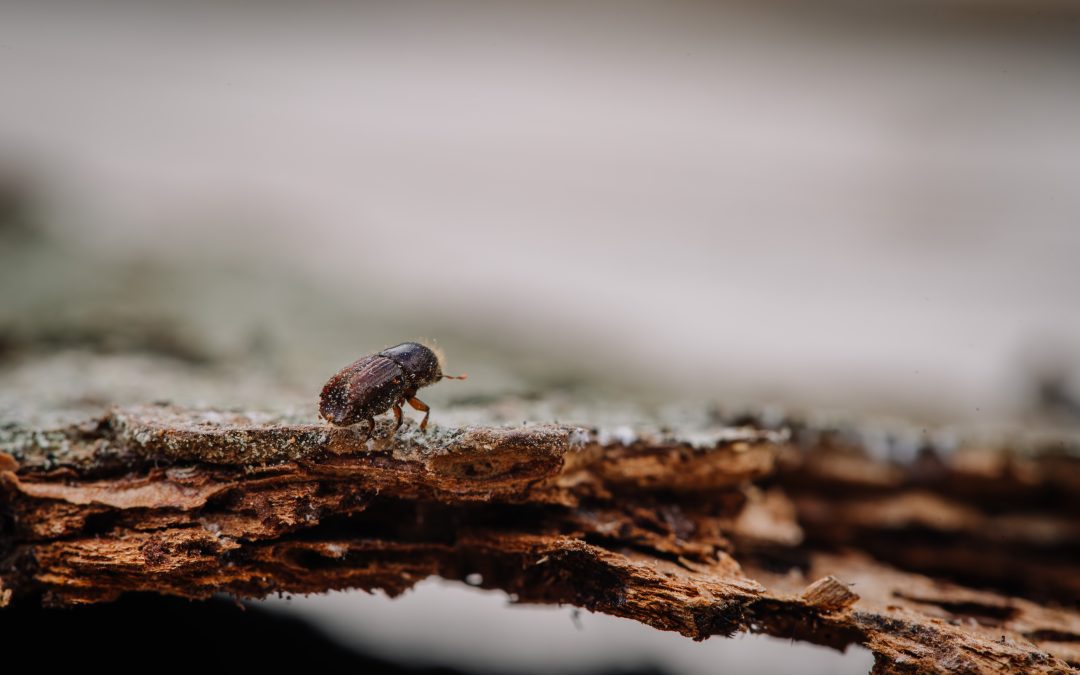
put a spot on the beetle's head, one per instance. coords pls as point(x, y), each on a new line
point(420, 363)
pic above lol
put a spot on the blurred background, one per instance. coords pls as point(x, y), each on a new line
point(852, 204)
point(872, 207)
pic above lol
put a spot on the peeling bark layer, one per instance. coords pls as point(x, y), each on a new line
point(982, 514)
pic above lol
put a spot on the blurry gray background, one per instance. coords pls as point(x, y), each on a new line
point(869, 206)
point(853, 204)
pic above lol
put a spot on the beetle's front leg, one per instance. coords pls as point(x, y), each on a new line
point(422, 407)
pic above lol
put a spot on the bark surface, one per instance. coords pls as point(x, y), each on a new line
point(957, 560)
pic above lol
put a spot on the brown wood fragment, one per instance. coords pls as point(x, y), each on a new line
point(829, 594)
point(8, 463)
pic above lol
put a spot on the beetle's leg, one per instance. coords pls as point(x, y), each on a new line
point(397, 415)
point(370, 426)
point(422, 407)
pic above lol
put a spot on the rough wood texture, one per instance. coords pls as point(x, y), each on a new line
point(1004, 517)
point(706, 532)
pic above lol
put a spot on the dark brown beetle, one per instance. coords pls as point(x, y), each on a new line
point(379, 382)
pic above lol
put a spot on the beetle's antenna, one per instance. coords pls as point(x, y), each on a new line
point(455, 377)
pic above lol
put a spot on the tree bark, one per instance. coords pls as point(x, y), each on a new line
point(791, 530)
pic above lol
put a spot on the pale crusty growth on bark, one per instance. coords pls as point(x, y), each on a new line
point(705, 533)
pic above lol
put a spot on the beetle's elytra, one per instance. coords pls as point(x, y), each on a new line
point(379, 382)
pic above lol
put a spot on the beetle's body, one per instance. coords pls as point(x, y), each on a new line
point(367, 388)
point(379, 382)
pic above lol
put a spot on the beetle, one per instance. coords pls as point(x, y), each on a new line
point(378, 382)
